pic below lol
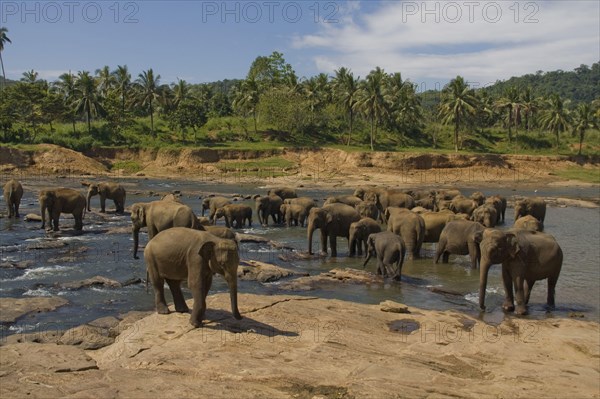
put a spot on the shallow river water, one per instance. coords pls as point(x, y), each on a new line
point(102, 252)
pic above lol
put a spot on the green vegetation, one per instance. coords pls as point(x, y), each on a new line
point(127, 166)
point(272, 108)
point(582, 174)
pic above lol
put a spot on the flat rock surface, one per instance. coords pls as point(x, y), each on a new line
point(335, 276)
point(305, 347)
point(264, 272)
point(13, 308)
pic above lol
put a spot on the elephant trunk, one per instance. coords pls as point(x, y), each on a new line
point(88, 200)
point(232, 282)
point(483, 276)
point(369, 252)
point(136, 237)
point(352, 243)
point(43, 213)
point(310, 231)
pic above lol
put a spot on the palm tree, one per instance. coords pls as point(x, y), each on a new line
point(457, 105)
point(311, 89)
point(106, 80)
point(30, 76)
point(555, 116)
point(123, 84)
point(66, 86)
point(346, 87)
point(88, 101)
point(181, 92)
point(510, 102)
point(584, 119)
point(3, 40)
point(530, 106)
point(149, 92)
point(247, 96)
point(371, 101)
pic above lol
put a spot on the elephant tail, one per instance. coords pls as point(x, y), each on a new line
point(147, 280)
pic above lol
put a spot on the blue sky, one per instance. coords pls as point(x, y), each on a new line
point(201, 41)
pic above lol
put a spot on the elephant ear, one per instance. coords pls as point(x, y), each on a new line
point(207, 250)
point(513, 245)
point(328, 218)
point(478, 237)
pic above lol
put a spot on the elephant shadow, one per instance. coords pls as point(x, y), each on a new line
point(222, 321)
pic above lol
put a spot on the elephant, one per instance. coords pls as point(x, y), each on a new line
point(334, 221)
point(362, 191)
point(390, 198)
point(427, 203)
point(62, 200)
point(499, 203)
point(294, 213)
point(534, 206)
point(172, 197)
point(420, 210)
point(447, 194)
point(306, 202)
point(212, 204)
point(486, 215)
point(411, 227)
point(221, 232)
point(159, 216)
point(269, 206)
point(435, 223)
point(283, 192)
point(202, 220)
point(478, 197)
point(13, 192)
point(528, 222)
point(421, 194)
point(389, 249)
point(526, 257)
point(458, 238)
point(367, 209)
point(344, 199)
point(461, 204)
point(235, 213)
point(179, 254)
point(359, 232)
point(112, 191)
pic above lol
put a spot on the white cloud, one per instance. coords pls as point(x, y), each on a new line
point(470, 38)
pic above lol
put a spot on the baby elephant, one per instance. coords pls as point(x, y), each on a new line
point(389, 249)
point(235, 213)
point(13, 192)
point(111, 191)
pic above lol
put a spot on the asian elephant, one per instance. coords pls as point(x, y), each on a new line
point(420, 210)
point(344, 199)
point(235, 213)
point(13, 192)
point(458, 238)
point(283, 192)
point(526, 257)
point(158, 216)
point(389, 249)
point(390, 198)
point(367, 209)
point(427, 203)
point(179, 254)
point(528, 222)
point(269, 206)
point(112, 191)
point(463, 204)
point(306, 202)
point(534, 206)
point(212, 204)
point(411, 227)
point(486, 215)
point(334, 221)
point(421, 194)
point(447, 194)
point(478, 197)
point(294, 214)
point(62, 200)
point(359, 232)
point(435, 223)
point(171, 197)
point(499, 203)
point(362, 191)
point(442, 204)
point(221, 232)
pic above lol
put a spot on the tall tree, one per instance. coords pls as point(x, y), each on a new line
point(457, 105)
point(3, 40)
point(530, 106)
point(106, 80)
point(30, 76)
point(181, 92)
point(583, 120)
point(345, 88)
point(67, 88)
point(123, 84)
point(247, 97)
point(88, 101)
point(371, 100)
point(555, 116)
point(149, 93)
point(510, 103)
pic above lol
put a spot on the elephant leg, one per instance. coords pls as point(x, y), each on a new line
point(159, 295)
point(474, 254)
point(199, 294)
point(333, 244)
point(528, 286)
point(440, 248)
point(520, 309)
point(359, 247)
point(55, 218)
point(381, 267)
point(551, 290)
point(102, 204)
point(446, 257)
point(323, 241)
point(508, 304)
point(178, 300)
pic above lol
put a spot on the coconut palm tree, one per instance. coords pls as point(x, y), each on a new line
point(30, 76)
point(510, 103)
point(530, 106)
point(457, 105)
point(122, 84)
point(3, 40)
point(345, 88)
point(555, 116)
point(246, 98)
point(67, 88)
point(371, 100)
point(88, 101)
point(181, 92)
point(106, 80)
point(584, 119)
point(149, 92)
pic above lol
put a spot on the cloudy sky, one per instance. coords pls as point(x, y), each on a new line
point(201, 41)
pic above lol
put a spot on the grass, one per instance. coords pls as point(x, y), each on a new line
point(127, 166)
point(582, 174)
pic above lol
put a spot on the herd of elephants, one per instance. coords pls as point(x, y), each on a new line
point(182, 246)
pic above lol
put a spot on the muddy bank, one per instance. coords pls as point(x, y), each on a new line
point(305, 347)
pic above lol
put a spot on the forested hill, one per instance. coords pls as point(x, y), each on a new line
point(579, 85)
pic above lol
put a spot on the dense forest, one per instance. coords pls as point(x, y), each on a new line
point(273, 106)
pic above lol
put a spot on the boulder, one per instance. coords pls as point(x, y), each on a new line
point(12, 309)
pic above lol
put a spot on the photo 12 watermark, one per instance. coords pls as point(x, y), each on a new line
point(253, 12)
point(519, 12)
point(53, 12)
